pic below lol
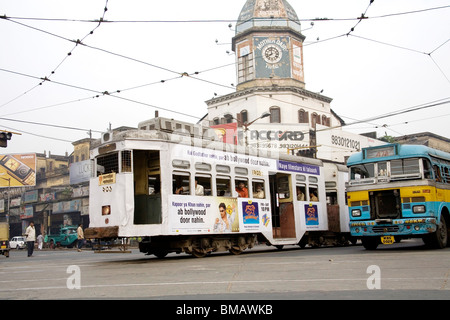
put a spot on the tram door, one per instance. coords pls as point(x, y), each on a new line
point(283, 220)
point(147, 187)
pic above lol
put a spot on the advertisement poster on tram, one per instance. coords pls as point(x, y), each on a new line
point(195, 215)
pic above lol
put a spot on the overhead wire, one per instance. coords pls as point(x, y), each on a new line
point(66, 56)
point(79, 42)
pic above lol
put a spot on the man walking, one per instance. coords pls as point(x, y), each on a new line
point(80, 236)
point(31, 238)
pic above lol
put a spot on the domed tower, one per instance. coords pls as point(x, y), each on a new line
point(268, 45)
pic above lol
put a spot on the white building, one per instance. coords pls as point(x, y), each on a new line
point(269, 59)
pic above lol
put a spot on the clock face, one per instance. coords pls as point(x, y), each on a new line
point(272, 53)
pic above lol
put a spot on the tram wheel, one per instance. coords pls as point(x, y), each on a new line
point(199, 253)
point(235, 251)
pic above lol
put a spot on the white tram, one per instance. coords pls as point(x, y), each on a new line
point(183, 193)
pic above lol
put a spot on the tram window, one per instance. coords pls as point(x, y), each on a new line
point(181, 182)
point(241, 171)
point(223, 169)
point(300, 177)
point(283, 186)
point(181, 164)
point(242, 187)
point(313, 179)
point(126, 161)
point(108, 164)
point(258, 189)
point(223, 186)
point(332, 198)
point(154, 185)
point(301, 192)
point(203, 185)
point(202, 166)
point(313, 193)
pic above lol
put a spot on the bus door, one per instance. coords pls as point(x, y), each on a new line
point(147, 187)
point(283, 220)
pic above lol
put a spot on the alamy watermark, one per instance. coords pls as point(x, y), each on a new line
point(374, 280)
point(74, 280)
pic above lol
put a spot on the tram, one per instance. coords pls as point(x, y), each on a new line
point(177, 190)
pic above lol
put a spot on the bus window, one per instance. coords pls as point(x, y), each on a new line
point(313, 193)
point(446, 174)
point(258, 189)
point(362, 171)
point(181, 182)
point(404, 166)
point(437, 173)
point(203, 185)
point(223, 186)
point(301, 192)
point(382, 169)
point(427, 171)
point(241, 187)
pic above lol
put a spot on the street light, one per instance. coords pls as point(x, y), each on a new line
point(248, 124)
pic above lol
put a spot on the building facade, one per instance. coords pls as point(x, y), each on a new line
point(270, 79)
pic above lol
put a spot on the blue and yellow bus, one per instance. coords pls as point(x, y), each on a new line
point(399, 191)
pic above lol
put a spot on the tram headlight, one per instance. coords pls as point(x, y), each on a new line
point(356, 213)
point(419, 209)
point(106, 210)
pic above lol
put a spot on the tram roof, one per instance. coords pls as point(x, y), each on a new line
point(186, 139)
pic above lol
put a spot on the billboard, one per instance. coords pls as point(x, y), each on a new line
point(17, 170)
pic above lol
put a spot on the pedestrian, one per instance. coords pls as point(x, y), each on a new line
point(30, 233)
point(80, 236)
point(40, 241)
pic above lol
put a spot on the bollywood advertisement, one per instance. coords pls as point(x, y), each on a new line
point(215, 215)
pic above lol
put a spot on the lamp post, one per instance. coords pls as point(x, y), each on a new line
point(248, 124)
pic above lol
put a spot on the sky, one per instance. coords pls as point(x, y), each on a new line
point(60, 82)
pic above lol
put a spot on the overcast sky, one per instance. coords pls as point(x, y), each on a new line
point(134, 64)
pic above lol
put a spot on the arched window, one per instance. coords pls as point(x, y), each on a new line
point(315, 118)
point(228, 118)
point(275, 115)
point(303, 116)
point(244, 116)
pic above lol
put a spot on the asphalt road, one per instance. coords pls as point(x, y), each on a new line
point(401, 271)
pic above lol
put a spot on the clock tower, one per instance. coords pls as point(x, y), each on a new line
point(268, 45)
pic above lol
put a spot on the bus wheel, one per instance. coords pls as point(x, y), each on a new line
point(440, 237)
point(161, 253)
point(370, 243)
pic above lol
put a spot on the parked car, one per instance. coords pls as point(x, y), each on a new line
point(18, 242)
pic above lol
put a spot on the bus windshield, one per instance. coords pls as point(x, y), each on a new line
point(393, 170)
